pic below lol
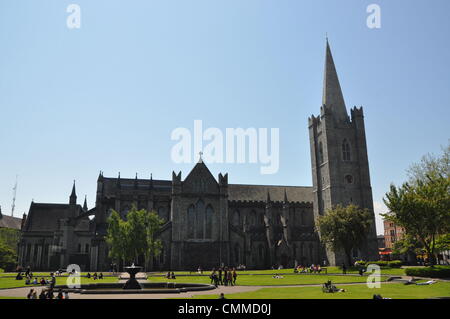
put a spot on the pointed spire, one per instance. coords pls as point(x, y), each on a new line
point(285, 196)
point(118, 181)
point(136, 182)
point(85, 207)
point(151, 181)
point(73, 195)
point(332, 93)
point(200, 159)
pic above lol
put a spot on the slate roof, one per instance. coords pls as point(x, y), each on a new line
point(44, 216)
point(10, 222)
point(241, 192)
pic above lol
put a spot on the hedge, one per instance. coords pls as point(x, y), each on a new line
point(432, 272)
point(382, 263)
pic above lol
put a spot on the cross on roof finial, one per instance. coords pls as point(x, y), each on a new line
point(200, 160)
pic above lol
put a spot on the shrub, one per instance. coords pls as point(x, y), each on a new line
point(395, 263)
point(432, 272)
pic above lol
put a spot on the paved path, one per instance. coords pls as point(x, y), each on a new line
point(22, 292)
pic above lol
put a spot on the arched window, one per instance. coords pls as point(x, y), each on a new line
point(200, 219)
point(253, 218)
point(349, 179)
point(236, 218)
point(162, 213)
point(320, 153)
point(208, 222)
point(346, 156)
point(261, 253)
point(191, 221)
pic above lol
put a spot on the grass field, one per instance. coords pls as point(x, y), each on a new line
point(393, 291)
point(330, 270)
point(268, 280)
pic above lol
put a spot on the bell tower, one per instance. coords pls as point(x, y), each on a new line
point(339, 162)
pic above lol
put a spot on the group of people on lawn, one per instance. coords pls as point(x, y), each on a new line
point(223, 276)
point(316, 269)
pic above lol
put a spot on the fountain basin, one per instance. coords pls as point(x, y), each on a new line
point(132, 283)
point(145, 288)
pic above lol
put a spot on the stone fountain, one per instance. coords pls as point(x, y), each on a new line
point(132, 283)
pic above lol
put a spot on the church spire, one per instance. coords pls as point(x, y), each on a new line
point(85, 207)
point(332, 93)
point(73, 195)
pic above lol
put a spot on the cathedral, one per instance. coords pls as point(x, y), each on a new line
point(209, 222)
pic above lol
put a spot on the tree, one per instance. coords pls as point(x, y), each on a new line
point(430, 165)
point(8, 257)
point(345, 228)
point(137, 235)
point(422, 209)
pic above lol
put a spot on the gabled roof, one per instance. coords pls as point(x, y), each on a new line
point(45, 216)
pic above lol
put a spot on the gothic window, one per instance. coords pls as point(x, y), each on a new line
point(161, 256)
point(320, 153)
point(191, 221)
point(346, 156)
point(208, 222)
point(200, 219)
point(349, 179)
point(261, 252)
point(162, 213)
point(253, 218)
point(236, 218)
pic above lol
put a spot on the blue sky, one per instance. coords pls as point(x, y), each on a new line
point(108, 95)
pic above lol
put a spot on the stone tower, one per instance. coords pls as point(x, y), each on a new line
point(340, 167)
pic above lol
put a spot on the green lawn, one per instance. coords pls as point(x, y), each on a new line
point(13, 283)
point(393, 291)
point(331, 270)
point(268, 280)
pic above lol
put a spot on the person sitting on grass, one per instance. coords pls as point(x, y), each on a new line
point(35, 281)
point(172, 276)
point(60, 294)
point(318, 269)
point(94, 276)
point(19, 276)
point(42, 282)
point(222, 296)
point(88, 275)
point(100, 276)
point(277, 276)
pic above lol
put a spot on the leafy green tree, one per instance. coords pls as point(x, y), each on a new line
point(430, 165)
point(10, 237)
point(8, 257)
point(443, 243)
point(137, 235)
point(345, 228)
point(422, 209)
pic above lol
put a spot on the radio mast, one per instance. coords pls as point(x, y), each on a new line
point(13, 206)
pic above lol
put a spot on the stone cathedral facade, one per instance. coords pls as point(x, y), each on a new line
point(209, 222)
